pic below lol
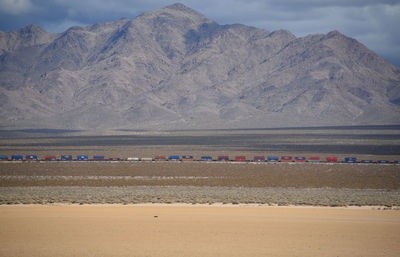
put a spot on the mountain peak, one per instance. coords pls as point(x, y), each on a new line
point(181, 8)
point(334, 33)
point(31, 29)
point(177, 6)
point(173, 68)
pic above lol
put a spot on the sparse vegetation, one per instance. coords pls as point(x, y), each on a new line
point(204, 195)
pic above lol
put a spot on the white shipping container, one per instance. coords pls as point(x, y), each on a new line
point(134, 159)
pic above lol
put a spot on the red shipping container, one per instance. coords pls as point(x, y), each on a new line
point(286, 158)
point(240, 158)
point(331, 159)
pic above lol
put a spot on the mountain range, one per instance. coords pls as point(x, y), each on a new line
point(174, 68)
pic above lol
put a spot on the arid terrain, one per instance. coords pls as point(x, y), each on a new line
point(199, 208)
point(197, 231)
point(204, 182)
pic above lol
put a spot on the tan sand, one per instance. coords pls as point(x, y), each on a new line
point(196, 231)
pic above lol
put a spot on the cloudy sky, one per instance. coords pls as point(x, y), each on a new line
point(372, 22)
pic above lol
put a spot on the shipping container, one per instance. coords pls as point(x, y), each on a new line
point(314, 159)
point(300, 159)
point(259, 158)
point(66, 157)
point(273, 158)
point(133, 159)
point(146, 159)
point(50, 158)
point(31, 158)
point(82, 158)
point(114, 159)
point(174, 158)
point(98, 158)
point(350, 159)
point(331, 159)
point(240, 158)
point(286, 158)
point(3, 158)
point(160, 158)
point(17, 158)
point(223, 158)
point(206, 158)
point(187, 158)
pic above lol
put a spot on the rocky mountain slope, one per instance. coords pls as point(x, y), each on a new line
point(173, 68)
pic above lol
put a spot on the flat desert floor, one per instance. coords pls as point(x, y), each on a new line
point(196, 231)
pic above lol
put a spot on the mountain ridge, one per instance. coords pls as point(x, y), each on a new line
point(174, 68)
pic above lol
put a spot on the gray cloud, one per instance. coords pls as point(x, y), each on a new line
point(372, 22)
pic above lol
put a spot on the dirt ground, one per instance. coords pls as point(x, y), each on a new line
point(302, 175)
point(196, 231)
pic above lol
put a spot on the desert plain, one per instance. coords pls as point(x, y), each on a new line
point(92, 230)
point(201, 209)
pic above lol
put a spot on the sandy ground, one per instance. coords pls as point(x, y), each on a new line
point(196, 231)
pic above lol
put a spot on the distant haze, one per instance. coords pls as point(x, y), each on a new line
point(174, 68)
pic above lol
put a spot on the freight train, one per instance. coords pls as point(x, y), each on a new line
point(183, 158)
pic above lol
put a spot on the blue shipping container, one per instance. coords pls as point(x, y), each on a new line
point(31, 157)
point(174, 157)
point(206, 158)
point(82, 158)
point(98, 157)
point(66, 157)
point(350, 159)
point(17, 157)
point(4, 157)
point(223, 158)
point(273, 158)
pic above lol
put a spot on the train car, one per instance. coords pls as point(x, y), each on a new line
point(115, 159)
point(331, 159)
point(98, 158)
point(286, 159)
point(300, 159)
point(396, 162)
point(240, 159)
point(383, 161)
point(3, 158)
point(31, 158)
point(174, 158)
point(350, 159)
point(146, 159)
point(223, 158)
point(17, 158)
point(273, 158)
point(314, 159)
point(259, 159)
point(367, 161)
point(82, 158)
point(66, 157)
point(50, 158)
point(133, 159)
point(206, 158)
point(160, 158)
point(187, 157)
